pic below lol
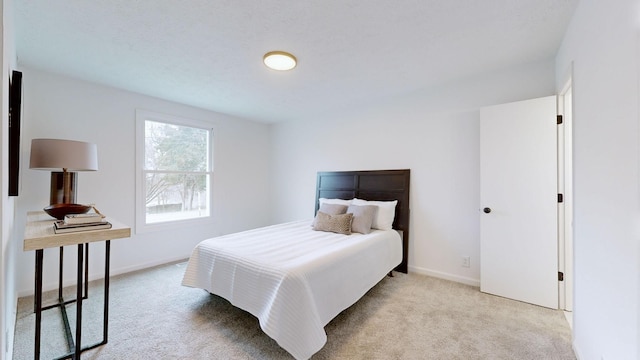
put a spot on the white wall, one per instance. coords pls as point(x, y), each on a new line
point(61, 107)
point(8, 295)
point(433, 133)
point(602, 42)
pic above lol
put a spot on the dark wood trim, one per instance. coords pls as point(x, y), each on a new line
point(15, 105)
point(380, 185)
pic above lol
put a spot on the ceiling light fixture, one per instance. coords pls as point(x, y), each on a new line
point(279, 60)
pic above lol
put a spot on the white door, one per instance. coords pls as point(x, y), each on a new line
point(518, 199)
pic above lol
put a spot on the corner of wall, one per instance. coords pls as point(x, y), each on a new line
point(8, 293)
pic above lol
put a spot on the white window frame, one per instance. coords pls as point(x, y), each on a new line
point(141, 117)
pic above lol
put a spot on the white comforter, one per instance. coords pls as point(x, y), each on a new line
point(293, 279)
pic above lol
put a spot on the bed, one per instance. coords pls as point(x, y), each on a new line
point(295, 279)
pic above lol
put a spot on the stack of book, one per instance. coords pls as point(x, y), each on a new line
point(81, 222)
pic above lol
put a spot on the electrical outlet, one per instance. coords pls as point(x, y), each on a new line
point(466, 261)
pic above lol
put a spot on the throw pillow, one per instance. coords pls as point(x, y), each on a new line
point(340, 224)
point(363, 216)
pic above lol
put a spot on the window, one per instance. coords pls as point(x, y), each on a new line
point(174, 170)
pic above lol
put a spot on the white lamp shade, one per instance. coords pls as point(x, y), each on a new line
point(56, 154)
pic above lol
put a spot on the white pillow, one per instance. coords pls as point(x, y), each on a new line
point(334, 201)
point(385, 215)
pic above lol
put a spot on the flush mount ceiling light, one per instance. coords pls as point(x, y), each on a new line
point(279, 60)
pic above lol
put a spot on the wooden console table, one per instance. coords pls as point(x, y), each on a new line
point(39, 235)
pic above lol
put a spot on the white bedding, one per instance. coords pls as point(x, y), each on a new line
point(293, 279)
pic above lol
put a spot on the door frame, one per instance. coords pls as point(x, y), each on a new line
point(565, 187)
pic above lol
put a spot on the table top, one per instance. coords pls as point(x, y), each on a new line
point(39, 233)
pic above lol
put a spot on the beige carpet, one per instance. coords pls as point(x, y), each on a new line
point(405, 317)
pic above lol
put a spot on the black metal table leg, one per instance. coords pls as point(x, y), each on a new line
point(86, 270)
point(107, 260)
point(79, 303)
point(82, 291)
point(60, 266)
point(38, 302)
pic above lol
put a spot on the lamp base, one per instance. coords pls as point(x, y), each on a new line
point(57, 195)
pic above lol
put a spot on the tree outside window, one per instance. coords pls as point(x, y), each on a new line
point(177, 171)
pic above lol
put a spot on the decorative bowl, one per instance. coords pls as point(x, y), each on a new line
point(58, 211)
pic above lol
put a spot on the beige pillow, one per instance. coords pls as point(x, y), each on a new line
point(363, 216)
point(340, 224)
point(331, 209)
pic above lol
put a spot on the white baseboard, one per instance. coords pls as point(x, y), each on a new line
point(128, 269)
point(446, 276)
point(575, 350)
point(100, 275)
point(133, 268)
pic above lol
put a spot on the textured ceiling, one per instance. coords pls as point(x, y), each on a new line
point(208, 53)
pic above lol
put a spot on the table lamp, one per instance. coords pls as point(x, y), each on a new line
point(69, 156)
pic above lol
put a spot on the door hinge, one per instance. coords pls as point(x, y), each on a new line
point(560, 276)
point(559, 119)
point(560, 198)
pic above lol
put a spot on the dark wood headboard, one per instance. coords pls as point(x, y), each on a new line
point(381, 185)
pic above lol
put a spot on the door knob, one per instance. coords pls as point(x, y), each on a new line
point(486, 210)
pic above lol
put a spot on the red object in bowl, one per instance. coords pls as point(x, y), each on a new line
point(58, 211)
